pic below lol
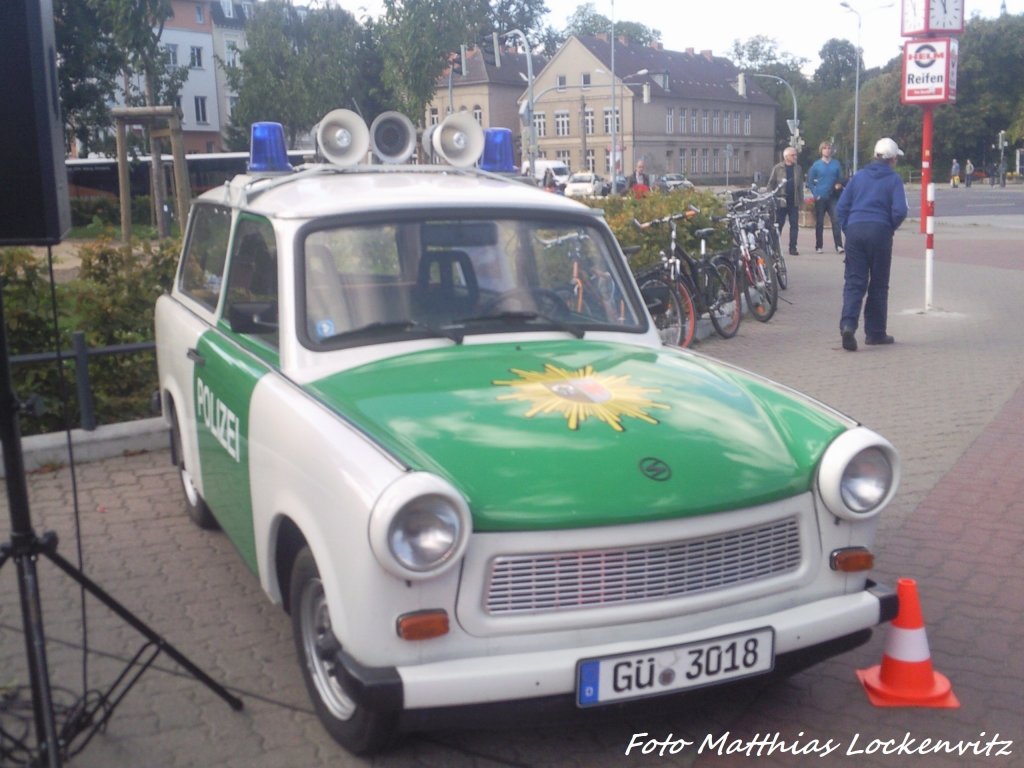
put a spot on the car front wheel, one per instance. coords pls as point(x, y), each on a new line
point(358, 729)
point(196, 508)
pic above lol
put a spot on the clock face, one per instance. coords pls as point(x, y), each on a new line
point(946, 15)
point(914, 12)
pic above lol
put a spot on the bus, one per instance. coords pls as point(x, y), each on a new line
point(97, 176)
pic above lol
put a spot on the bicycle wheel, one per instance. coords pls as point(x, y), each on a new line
point(689, 317)
point(725, 306)
point(662, 300)
point(776, 258)
point(760, 288)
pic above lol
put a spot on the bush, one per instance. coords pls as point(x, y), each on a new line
point(620, 211)
point(111, 301)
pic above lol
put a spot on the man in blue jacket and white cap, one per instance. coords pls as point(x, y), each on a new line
point(870, 210)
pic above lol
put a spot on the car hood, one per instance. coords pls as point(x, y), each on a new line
point(571, 434)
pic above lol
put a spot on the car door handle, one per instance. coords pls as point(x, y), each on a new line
point(195, 357)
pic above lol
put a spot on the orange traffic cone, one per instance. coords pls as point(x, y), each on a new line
point(905, 677)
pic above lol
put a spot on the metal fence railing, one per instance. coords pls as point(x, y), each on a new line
point(80, 354)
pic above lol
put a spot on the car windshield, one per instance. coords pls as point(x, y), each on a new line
point(371, 283)
point(583, 177)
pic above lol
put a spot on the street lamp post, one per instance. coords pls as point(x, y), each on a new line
point(856, 88)
point(614, 118)
point(794, 124)
point(856, 81)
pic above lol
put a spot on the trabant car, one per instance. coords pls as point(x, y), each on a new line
point(429, 407)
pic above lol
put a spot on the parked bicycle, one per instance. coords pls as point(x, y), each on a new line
point(707, 285)
point(764, 206)
point(760, 284)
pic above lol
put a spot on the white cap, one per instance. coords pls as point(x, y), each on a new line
point(887, 149)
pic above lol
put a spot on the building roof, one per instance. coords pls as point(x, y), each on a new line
point(513, 70)
point(683, 74)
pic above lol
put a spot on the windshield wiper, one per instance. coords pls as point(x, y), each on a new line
point(384, 326)
point(520, 316)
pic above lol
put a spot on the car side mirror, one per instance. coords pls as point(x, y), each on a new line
point(253, 316)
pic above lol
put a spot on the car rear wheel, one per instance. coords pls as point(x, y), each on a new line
point(196, 508)
point(360, 730)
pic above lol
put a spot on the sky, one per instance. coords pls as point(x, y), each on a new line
point(799, 27)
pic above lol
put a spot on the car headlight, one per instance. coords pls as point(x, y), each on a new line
point(419, 527)
point(859, 474)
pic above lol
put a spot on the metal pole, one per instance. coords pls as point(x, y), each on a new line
point(613, 171)
point(856, 98)
point(532, 149)
point(795, 130)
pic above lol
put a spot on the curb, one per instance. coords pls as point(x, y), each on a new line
point(102, 443)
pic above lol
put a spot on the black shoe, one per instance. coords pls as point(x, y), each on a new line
point(849, 341)
point(794, 252)
point(884, 339)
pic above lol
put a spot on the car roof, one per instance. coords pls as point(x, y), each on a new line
point(325, 190)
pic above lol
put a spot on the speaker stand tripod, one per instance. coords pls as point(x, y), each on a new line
point(25, 547)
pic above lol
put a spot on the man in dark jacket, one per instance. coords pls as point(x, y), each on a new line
point(787, 181)
point(871, 209)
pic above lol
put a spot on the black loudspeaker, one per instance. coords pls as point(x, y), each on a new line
point(34, 207)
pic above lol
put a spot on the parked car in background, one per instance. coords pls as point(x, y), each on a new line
point(672, 181)
point(431, 409)
point(585, 184)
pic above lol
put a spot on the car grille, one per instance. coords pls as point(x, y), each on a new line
point(558, 581)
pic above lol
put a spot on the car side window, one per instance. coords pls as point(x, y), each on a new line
point(202, 271)
point(252, 276)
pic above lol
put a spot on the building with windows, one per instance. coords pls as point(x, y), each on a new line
point(682, 112)
point(489, 91)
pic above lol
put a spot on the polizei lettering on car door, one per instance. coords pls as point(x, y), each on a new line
point(218, 418)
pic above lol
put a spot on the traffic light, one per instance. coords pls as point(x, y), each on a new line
point(455, 62)
point(490, 47)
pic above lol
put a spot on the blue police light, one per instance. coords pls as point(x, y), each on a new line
point(498, 154)
point(267, 152)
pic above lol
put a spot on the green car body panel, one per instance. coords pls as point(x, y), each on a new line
point(553, 434)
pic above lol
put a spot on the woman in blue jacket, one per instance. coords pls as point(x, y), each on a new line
point(871, 209)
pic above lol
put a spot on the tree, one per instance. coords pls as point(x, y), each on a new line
point(269, 79)
point(760, 54)
point(88, 63)
point(587, 21)
point(414, 57)
point(839, 62)
point(524, 15)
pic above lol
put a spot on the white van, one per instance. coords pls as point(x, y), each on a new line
point(558, 168)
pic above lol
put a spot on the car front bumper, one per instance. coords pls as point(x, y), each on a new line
point(804, 634)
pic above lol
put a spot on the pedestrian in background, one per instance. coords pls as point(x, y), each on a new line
point(790, 177)
point(871, 209)
point(825, 180)
point(968, 172)
point(639, 182)
point(954, 174)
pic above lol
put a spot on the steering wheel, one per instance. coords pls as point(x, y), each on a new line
point(526, 299)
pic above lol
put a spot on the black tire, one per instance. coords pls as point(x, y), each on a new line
point(760, 287)
point(689, 324)
point(359, 730)
point(665, 307)
point(725, 305)
point(195, 507)
point(777, 258)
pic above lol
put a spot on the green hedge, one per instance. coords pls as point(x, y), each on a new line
point(111, 300)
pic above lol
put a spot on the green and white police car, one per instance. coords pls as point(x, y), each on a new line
point(428, 405)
